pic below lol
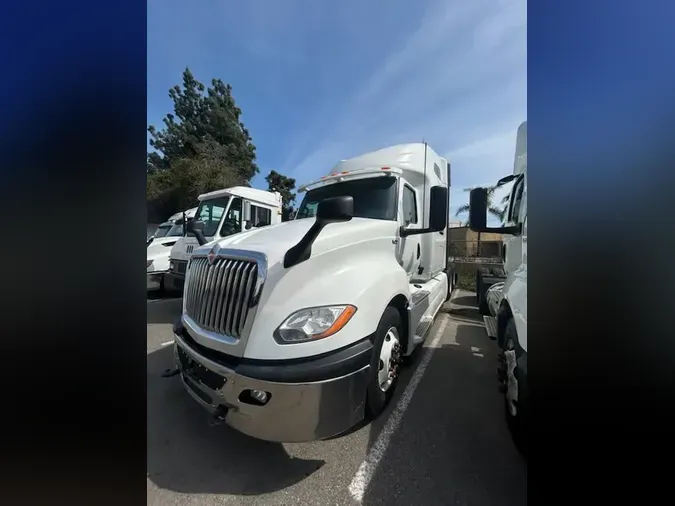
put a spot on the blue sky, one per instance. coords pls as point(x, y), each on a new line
point(320, 81)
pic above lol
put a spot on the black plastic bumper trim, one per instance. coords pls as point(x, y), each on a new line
point(322, 367)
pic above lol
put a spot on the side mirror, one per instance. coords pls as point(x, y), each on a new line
point(478, 204)
point(197, 228)
point(478, 209)
point(331, 210)
point(246, 212)
point(438, 208)
point(438, 213)
point(335, 210)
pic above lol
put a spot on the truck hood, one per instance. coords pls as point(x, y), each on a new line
point(275, 240)
point(160, 246)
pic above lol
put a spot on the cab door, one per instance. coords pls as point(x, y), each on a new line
point(409, 248)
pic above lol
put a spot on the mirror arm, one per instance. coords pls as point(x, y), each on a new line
point(512, 230)
point(405, 232)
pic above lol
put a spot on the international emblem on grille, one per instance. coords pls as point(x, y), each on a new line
point(212, 254)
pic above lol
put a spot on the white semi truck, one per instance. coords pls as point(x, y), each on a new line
point(159, 248)
point(507, 299)
point(294, 332)
point(224, 212)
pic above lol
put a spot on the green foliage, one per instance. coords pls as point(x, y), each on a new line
point(285, 185)
point(202, 147)
point(494, 210)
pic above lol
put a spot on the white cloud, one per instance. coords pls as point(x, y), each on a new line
point(372, 74)
point(458, 81)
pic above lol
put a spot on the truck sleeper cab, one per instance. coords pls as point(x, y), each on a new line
point(296, 331)
point(224, 213)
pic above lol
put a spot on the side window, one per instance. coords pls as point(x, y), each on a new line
point(517, 197)
point(232, 222)
point(263, 217)
point(409, 206)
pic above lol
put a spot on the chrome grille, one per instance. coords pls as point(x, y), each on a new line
point(218, 296)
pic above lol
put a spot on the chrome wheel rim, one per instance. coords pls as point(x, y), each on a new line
point(387, 364)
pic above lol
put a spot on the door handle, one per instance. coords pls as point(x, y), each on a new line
point(418, 251)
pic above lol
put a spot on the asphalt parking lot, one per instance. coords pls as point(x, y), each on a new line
point(443, 440)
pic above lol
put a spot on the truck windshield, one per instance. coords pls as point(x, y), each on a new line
point(175, 231)
point(210, 212)
point(373, 198)
point(162, 230)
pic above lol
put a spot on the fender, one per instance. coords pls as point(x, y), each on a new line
point(369, 280)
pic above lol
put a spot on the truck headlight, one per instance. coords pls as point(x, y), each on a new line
point(149, 263)
point(313, 323)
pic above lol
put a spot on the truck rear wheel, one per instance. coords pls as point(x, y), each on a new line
point(385, 362)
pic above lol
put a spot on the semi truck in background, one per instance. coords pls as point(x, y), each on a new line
point(506, 299)
point(159, 248)
point(223, 212)
point(296, 331)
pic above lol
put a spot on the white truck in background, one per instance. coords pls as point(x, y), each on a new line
point(159, 248)
point(295, 332)
point(224, 212)
point(507, 300)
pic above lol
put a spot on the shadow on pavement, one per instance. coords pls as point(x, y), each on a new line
point(465, 300)
point(453, 446)
point(186, 455)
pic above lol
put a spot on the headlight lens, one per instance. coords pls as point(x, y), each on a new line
point(313, 323)
point(149, 263)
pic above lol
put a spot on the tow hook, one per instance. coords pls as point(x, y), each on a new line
point(218, 416)
point(170, 372)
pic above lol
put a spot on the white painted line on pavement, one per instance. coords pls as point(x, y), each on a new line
point(357, 488)
point(167, 343)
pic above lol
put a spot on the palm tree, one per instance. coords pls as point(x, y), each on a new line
point(497, 212)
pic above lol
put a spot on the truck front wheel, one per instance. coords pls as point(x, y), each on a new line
point(385, 362)
point(514, 386)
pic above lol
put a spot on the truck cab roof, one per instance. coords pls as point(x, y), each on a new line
point(407, 160)
point(253, 194)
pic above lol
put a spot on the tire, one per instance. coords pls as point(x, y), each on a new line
point(517, 423)
point(376, 397)
point(451, 284)
point(479, 286)
point(483, 306)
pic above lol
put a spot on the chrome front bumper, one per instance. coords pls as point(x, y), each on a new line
point(295, 412)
